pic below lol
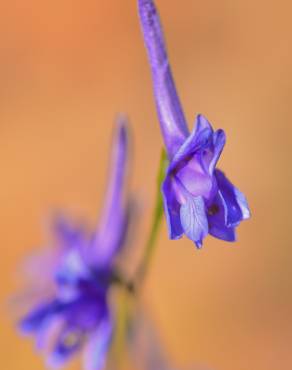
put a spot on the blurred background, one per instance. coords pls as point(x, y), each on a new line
point(66, 69)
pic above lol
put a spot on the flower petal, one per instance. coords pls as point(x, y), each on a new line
point(219, 140)
point(202, 124)
point(68, 343)
point(98, 345)
point(194, 220)
point(72, 268)
point(172, 210)
point(67, 235)
point(48, 331)
point(199, 139)
point(217, 219)
point(193, 178)
point(223, 232)
point(113, 223)
point(236, 203)
point(34, 320)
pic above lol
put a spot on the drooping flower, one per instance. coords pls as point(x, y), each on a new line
point(198, 198)
point(75, 312)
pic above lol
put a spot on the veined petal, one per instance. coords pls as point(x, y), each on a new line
point(217, 219)
point(194, 219)
point(98, 345)
point(236, 203)
point(170, 113)
point(113, 222)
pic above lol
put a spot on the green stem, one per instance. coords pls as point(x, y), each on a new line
point(123, 314)
point(125, 307)
point(156, 223)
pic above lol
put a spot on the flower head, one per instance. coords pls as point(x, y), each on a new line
point(75, 314)
point(198, 198)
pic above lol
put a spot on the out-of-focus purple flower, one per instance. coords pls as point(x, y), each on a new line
point(76, 315)
point(198, 198)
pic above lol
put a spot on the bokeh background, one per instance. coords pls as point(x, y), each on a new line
point(66, 69)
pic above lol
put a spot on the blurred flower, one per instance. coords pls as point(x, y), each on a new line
point(198, 198)
point(77, 314)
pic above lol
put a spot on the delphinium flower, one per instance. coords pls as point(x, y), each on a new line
point(76, 315)
point(198, 197)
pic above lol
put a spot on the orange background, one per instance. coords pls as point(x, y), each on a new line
point(66, 69)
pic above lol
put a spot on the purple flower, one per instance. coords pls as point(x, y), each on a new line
point(75, 312)
point(198, 198)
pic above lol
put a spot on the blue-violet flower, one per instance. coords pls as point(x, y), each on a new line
point(76, 314)
point(198, 198)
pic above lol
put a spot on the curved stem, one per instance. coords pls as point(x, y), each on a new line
point(132, 287)
point(119, 342)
